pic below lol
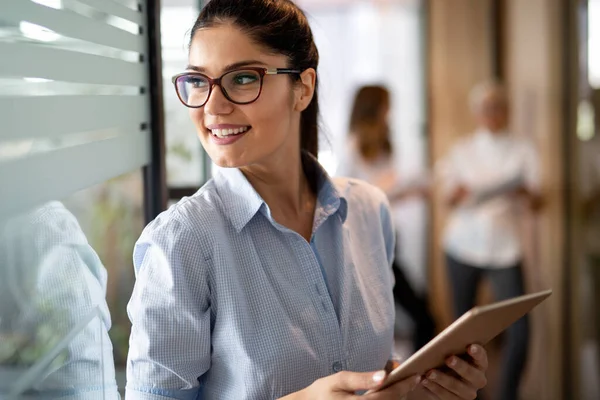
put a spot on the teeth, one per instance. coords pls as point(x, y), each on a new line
point(226, 132)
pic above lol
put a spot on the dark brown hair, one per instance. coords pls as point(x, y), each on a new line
point(280, 26)
point(368, 123)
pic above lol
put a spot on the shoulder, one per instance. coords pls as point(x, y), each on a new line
point(524, 147)
point(44, 228)
point(369, 216)
point(464, 143)
point(460, 148)
point(186, 224)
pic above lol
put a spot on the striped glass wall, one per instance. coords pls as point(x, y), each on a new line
point(75, 132)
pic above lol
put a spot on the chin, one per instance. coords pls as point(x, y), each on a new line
point(225, 162)
point(229, 159)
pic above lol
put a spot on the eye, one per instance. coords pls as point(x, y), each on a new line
point(197, 82)
point(245, 78)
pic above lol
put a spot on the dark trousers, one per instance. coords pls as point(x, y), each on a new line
point(506, 283)
point(415, 306)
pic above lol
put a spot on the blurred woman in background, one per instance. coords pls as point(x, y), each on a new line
point(369, 156)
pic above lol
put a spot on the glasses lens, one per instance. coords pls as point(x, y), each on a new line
point(242, 86)
point(193, 89)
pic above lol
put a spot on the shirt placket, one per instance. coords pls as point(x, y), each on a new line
point(325, 308)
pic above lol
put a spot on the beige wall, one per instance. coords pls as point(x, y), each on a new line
point(460, 55)
point(535, 77)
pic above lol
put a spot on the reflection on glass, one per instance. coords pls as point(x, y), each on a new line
point(54, 319)
point(111, 215)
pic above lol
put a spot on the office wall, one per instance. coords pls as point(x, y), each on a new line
point(460, 56)
point(534, 66)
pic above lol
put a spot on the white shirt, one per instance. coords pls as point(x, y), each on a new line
point(486, 233)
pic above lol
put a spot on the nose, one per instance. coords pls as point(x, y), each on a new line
point(217, 103)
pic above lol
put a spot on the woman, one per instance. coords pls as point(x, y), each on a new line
point(272, 279)
point(369, 156)
point(487, 177)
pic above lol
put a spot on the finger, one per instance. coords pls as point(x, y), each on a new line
point(440, 392)
point(453, 385)
point(474, 376)
point(351, 382)
point(422, 393)
point(479, 356)
point(399, 389)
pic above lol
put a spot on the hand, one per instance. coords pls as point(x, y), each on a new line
point(533, 200)
point(397, 391)
point(422, 191)
point(470, 377)
point(344, 385)
point(459, 195)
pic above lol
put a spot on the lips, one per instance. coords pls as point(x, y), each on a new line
point(225, 134)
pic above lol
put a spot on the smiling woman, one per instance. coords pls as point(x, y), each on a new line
point(274, 279)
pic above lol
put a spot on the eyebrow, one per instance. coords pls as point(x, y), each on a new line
point(229, 67)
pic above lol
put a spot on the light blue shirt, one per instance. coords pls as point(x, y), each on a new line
point(229, 304)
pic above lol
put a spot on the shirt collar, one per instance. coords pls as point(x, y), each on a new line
point(242, 201)
point(487, 136)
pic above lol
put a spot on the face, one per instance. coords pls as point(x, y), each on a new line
point(267, 129)
point(493, 113)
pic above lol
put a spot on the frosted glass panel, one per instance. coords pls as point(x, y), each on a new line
point(74, 136)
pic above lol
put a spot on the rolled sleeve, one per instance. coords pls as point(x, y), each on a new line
point(141, 393)
point(170, 313)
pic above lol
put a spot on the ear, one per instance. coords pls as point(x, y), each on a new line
point(305, 89)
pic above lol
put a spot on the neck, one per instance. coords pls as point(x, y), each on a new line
point(495, 130)
point(286, 191)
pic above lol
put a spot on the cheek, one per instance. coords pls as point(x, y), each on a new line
point(272, 115)
point(196, 115)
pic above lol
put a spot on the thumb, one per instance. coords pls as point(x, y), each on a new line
point(351, 382)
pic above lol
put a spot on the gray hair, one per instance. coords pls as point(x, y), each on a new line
point(485, 89)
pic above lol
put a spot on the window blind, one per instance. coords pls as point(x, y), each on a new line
point(74, 105)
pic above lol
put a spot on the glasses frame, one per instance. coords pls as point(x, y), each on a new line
point(217, 82)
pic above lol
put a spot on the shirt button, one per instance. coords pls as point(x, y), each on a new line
point(337, 366)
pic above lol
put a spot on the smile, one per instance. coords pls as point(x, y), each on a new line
point(221, 133)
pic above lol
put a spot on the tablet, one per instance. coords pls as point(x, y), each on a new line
point(477, 326)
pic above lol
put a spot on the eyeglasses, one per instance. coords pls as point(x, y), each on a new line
point(240, 86)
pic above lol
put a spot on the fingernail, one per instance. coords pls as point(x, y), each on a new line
point(418, 379)
point(432, 376)
point(474, 349)
point(453, 362)
point(378, 376)
point(426, 382)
